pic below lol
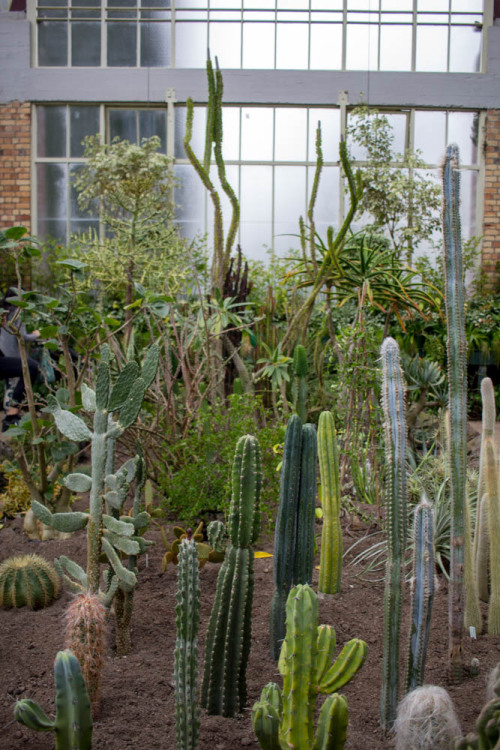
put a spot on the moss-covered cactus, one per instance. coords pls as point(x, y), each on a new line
point(73, 722)
point(285, 719)
point(187, 722)
point(228, 641)
point(330, 564)
point(28, 580)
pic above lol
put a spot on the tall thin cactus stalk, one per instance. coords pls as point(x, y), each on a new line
point(393, 403)
point(481, 535)
point(457, 386)
point(492, 483)
point(330, 565)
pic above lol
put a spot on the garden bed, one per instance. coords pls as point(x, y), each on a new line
point(137, 703)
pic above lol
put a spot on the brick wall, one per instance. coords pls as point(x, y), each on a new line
point(491, 227)
point(15, 164)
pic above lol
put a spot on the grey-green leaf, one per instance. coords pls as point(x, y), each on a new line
point(88, 398)
point(118, 527)
point(150, 365)
point(78, 482)
point(72, 426)
point(128, 546)
point(132, 405)
point(122, 386)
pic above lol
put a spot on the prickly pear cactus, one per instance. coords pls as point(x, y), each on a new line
point(28, 580)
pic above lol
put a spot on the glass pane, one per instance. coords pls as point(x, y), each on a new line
point(198, 134)
point(123, 125)
point(430, 135)
point(467, 6)
point(289, 194)
point(86, 44)
point(190, 45)
point(153, 122)
point(431, 5)
point(432, 48)
point(397, 5)
point(52, 192)
point(225, 42)
point(258, 45)
point(258, 3)
point(290, 135)
point(256, 239)
point(330, 133)
point(468, 184)
point(326, 47)
point(75, 212)
point(398, 126)
point(326, 209)
point(122, 44)
point(231, 133)
point(51, 131)
point(395, 47)
point(465, 49)
point(189, 196)
point(292, 46)
point(362, 47)
point(83, 121)
point(155, 44)
point(256, 133)
point(256, 193)
point(53, 43)
point(462, 130)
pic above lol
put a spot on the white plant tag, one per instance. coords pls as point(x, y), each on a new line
point(472, 631)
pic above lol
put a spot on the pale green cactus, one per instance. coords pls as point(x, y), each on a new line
point(330, 565)
point(481, 535)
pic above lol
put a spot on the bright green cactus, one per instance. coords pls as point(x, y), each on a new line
point(330, 566)
point(423, 594)
point(73, 722)
point(228, 640)
point(285, 719)
point(393, 403)
point(28, 580)
point(187, 722)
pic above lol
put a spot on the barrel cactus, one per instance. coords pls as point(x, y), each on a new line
point(28, 580)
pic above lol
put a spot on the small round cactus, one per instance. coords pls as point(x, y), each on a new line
point(28, 580)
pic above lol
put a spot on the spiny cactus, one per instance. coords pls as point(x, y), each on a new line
point(228, 640)
point(187, 722)
point(28, 580)
point(487, 736)
point(457, 388)
point(393, 403)
point(426, 720)
point(286, 718)
point(492, 484)
point(300, 384)
point(481, 535)
point(294, 530)
point(86, 636)
point(73, 722)
point(423, 593)
point(330, 564)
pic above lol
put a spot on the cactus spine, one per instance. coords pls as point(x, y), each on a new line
point(423, 594)
point(73, 722)
point(187, 722)
point(330, 566)
point(28, 580)
point(457, 387)
point(228, 641)
point(481, 536)
point(294, 530)
point(300, 384)
point(285, 719)
point(393, 403)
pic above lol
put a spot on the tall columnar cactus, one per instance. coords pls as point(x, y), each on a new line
point(304, 536)
point(393, 403)
point(457, 388)
point(330, 565)
point(28, 580)
point(285, 719)
point(73, 722)
point(228, 640)
point(300, 384)
point(187, 722)
point(487, 736)
point(481, 537)
point(423, 594)
point(492, 486)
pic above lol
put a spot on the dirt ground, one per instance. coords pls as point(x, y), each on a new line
point(137, 704)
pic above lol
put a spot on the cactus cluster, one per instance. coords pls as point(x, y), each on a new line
point(28, 580)
point(187, 609)
point(294, 529)
point(228, 640)
point(73, 721)
point(212, 552)
point(285, 718)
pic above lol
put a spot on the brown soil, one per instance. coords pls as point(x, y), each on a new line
point(137, 704)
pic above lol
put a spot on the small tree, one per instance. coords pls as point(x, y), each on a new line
point(404, 202)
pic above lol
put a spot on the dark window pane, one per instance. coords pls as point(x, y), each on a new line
point(155, 43)
point(153, 122)
point(83, 121)
point(86, 44)
point(122, 44)
point(53, 43)
point(123, 125)
point(51, 131)
point(52, 190)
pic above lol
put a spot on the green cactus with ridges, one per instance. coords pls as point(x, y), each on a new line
point(393, 403)
point(304, 535)
point(73, 722)
point(229, 631)
point(330, 566)
point(28, 580)
point(481, 535)
point(487, 736)
point(457, 389)
point(423, 594)
point(299, 367)
point(285, 719)
point(285, 531)
point(187, 722)
point(492, 485)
